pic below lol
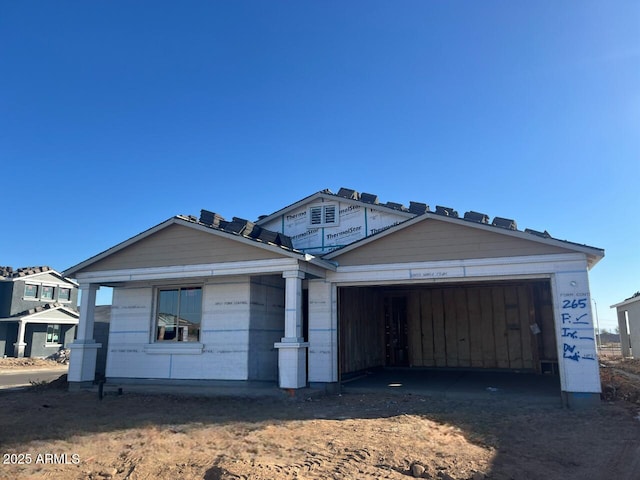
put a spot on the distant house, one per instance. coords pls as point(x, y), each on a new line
point(335, 284)
point(629, 325)
point(38, 313)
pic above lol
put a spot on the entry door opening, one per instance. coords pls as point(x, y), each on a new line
point(396, 331)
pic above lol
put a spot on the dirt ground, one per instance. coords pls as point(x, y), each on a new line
point(20, 363)
point(350, 436)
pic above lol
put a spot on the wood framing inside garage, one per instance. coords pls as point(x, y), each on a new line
point(496, 325)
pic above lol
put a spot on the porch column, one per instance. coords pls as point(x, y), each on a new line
point(624, 334)
point(19, 346)
point(323, 336)
point(82, 364)
point(577, 356)
point(292, 349)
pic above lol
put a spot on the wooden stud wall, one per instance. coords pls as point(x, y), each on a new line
point(361, 329)
point(479, 326)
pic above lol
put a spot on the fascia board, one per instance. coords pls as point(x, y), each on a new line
point(40, 317)
point(502, 268)
point(626, 302)
point(252, 267)
point(242, 239)
point(50, 271)
point(189, 271)
point(178, 221)
point(116, 248)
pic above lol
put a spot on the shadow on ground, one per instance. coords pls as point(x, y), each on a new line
point(373, 430)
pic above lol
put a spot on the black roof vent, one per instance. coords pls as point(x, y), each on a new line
point(418, 208)
point(238, 225)
point(544, 234)
point(210, 218)
point(476, 217)
point(395, 206)
point(267, 236)
point(284, 241)
point(369, 198)
point(504, 223)
point(348, 193)
point(446, 211)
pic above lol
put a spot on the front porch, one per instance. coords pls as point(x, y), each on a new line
point(249, 328)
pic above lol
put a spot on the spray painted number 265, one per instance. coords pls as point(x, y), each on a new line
point(581, 303)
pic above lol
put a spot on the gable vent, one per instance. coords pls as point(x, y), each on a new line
point(316, 215)
point(330, 214)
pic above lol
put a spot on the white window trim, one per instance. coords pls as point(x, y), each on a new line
point(70, 294)
point(57, 343)
point(32, 299)
point(173, 346)
point(323, 209)
point(55, 292)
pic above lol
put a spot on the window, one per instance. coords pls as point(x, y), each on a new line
point(53, 333)
point(31, 291)
point(64, 294)
point(321, 215)
point(178, 314)
point(47, 293)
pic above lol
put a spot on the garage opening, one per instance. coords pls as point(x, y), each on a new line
point(499, 326)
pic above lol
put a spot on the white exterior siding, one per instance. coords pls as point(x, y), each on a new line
point(323, 332)
point(266, 327)
point(575, 334)
point(224, 335)
point(633, 314)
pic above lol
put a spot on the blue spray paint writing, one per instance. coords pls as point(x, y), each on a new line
point(570, 352)
point(568, 318)
point(568, 332)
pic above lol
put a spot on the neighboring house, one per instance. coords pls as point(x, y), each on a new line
point(629, 325)
point(38, 313)
point(335, 284)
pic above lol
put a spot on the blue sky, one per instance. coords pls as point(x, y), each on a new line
point(115, 116)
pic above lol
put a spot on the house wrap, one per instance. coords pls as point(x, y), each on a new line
point(335, 284)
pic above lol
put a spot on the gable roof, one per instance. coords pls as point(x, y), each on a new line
point(28, 273)
point(415, 209)
point(351, 197)
point(593, 254)
point(46, 313)
point(238, 230)
point(628, 301)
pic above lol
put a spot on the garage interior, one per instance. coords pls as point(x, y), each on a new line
point(499, 326)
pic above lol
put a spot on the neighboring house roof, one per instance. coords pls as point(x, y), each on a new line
point(25, 273)
point(48, 313)
point(238, 229)
point(633, 299)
